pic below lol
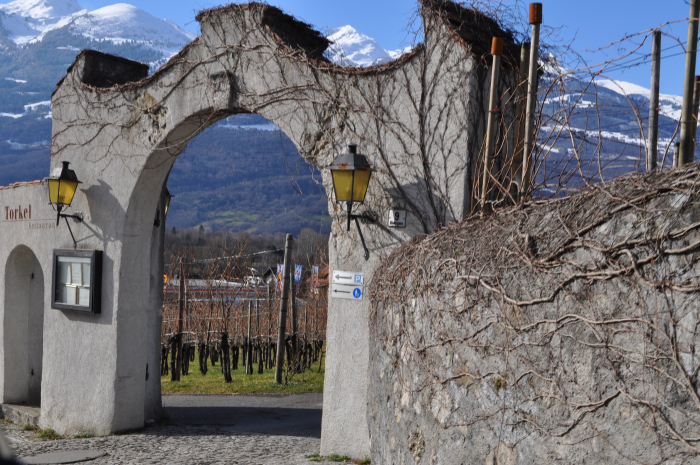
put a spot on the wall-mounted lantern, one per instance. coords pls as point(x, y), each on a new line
point(168, 197)
point(351, 174)
point(62, 186)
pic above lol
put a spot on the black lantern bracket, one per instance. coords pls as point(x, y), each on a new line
point(77, 217)
point(368, 217)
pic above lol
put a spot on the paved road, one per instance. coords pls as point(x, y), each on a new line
point(295, 415)
point(206, 429)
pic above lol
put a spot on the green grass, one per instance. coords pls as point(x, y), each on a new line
point(49, 434)
point(338, 458)
point(213, 381)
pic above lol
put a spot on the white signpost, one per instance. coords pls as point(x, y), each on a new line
point(348, 277)
point(344, 291)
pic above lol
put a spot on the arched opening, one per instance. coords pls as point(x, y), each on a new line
point(207, 176)
point(23, 328)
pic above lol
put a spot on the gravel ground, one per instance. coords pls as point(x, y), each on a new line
point(206, 429)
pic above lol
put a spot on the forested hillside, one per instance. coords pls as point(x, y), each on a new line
point(246, 180)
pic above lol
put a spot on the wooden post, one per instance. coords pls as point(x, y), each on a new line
point(295, 328)
point(528, 146)
point(516, 169)
point(175, 376)
point(249, 345)
point(173, 359)
point(306, 320)
point(687, 150)
point(283, 309)
point(694, 123)
point(257, 317)
point(653, 138)
point(486, 191)
point(269, 326)
point(676, 153)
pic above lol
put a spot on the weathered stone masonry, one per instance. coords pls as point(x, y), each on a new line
point(560, 331)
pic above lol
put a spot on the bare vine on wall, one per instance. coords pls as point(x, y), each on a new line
point(574, 320)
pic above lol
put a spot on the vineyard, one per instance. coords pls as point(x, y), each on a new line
point(220, 310)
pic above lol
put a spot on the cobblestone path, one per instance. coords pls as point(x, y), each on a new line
point(250, 430)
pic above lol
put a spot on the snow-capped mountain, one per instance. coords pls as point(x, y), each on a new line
point(601, 125)
point(123, 22)
point(28, 21)
point(352, 48)
point(669, 105)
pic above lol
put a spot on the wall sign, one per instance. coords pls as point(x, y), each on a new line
point(348, 277)
point(343, 291)
point(397, 218)
point(19, 213)
point(23, 215)
point(77, 280)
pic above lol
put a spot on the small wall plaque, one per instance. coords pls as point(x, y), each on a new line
point(77, 280)
point(397, 218)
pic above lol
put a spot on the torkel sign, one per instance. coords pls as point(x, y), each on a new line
point(18, 214)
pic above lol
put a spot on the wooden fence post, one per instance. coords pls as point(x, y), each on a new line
point(687, 151)
point(652, 152)
point(529, 144)
point(486, 191)
point(175, 376)
point(283, 309)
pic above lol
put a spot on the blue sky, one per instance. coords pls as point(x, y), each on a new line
point(593, 24)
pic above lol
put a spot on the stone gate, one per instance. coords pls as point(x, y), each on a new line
point(420, 119)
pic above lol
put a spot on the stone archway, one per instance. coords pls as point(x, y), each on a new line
point(421, 119)
point(23, 328)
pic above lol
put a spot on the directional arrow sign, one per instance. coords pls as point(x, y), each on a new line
point(342, 291)
point(348, 277)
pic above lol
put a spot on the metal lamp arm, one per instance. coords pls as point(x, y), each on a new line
point(362, 238)
point(367, 218)
point(77, 216)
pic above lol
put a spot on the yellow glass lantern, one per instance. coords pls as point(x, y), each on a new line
point(351, 173)
point(62, 186)
point(168, 198)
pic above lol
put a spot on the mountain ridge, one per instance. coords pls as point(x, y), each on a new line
point(28, 21)
point(32, 68)
point(351, 47)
